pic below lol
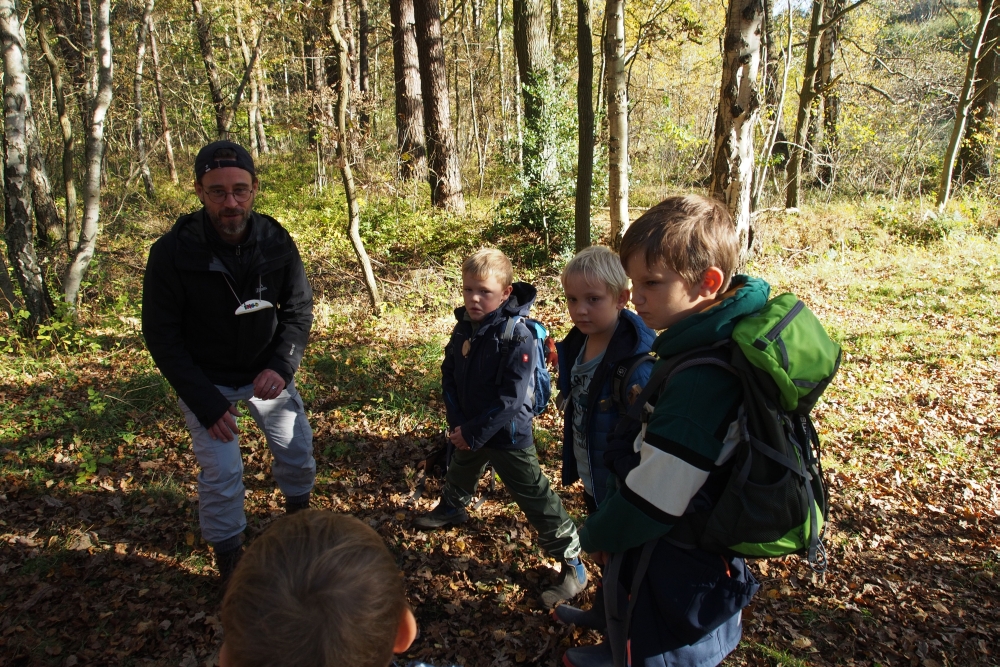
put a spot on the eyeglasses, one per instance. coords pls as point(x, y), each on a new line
point(218, 195)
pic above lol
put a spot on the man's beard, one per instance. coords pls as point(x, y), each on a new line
point(229, 228)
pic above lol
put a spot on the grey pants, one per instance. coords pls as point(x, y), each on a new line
point(519, 471)
point(220, 482)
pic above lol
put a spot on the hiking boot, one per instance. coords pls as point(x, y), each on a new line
point(573, 580)
point(598, 655)
point(593, 618)
point(297, 503)
point(226, 562)
point(441, 516)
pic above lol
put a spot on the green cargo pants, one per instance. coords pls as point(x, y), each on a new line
point(519, 471)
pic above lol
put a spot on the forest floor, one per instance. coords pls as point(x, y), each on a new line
point(101, 560)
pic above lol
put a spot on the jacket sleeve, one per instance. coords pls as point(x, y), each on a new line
point(449, 387)
point(518, 373)
point(678, 450)
point(163, 302)
point(295, 318)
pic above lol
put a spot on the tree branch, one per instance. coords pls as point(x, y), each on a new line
point(839, 15)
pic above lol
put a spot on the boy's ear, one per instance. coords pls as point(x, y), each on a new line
point(623, 298)
point(406, 632)
point(507, 292)
point(711, 282)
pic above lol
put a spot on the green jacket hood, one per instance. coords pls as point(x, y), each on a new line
point(746, 295)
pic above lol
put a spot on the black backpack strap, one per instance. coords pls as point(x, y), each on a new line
point(505, 338)
point(715, 355)
point(618, 623)
point(622, 375)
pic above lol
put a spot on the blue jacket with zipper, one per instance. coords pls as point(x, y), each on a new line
point(631, 337)
point(491, 413)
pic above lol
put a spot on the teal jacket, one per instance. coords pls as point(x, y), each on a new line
point(690, 434)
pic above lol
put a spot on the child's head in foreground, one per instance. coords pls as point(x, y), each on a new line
point(317, 589)
point(487, 281)
point(596, 289)
point(681, 255)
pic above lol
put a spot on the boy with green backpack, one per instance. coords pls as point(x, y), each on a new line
point(719, 460)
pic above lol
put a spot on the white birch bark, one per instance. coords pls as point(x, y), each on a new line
point(739, 107)
point(617, 97)
point(93, 156)
point(140, 59)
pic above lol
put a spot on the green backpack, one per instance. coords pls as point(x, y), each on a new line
point(774, 502)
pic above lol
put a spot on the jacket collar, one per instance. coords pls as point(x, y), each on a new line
point(270, 243)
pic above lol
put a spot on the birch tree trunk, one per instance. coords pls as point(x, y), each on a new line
point(806, 97)
point(364, 103)
point(93, 157)
point(50, 227)
point(975, 157)
point(17, 181)
point(8, 298)
point(831, 101)
point(203, 26)
point(442, 163)
point(739, 107)
point(140, 60)
point(617, 97)
point(585, 112)
point(71, 230)
point(409, 102)
point(534, 64)
point(164, 120)
point(964, 104)
point(344, 159)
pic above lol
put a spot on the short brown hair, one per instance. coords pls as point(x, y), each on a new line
point(317, 589)
point(599, 266)
point(689, 234)
point(489, 262)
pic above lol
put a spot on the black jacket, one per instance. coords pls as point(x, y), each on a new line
point(189, 306)
point(491, 415)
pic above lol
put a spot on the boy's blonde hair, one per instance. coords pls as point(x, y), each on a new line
point(598, 265)
point(688, 234)
point(317, 589)
point(489, 262)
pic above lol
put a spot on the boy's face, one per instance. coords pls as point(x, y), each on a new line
point(661, 297)
point(593, 307)
point(483, 295)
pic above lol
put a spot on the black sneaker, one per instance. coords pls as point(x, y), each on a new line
point(226, 562)
point(573, 580)
point(593, 618)
point(441, 516)
point(296, 504)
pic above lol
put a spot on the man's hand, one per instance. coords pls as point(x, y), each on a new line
point(267, 385)
point(225, 429)
point(457, 439)
point(600, 557)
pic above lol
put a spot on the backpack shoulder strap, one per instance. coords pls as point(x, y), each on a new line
point(715, 355)
point(618, 623)
point(505, 338)
point(622, 375)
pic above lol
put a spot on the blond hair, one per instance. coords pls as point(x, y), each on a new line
point(317, 589)
point(489, 263)
point(598, 265)
point(688, 234)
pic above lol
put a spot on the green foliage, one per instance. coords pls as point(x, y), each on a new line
point(534, 224)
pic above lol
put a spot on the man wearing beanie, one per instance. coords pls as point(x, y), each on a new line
point(226, 313)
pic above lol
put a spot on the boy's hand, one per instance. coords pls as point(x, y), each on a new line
point(457, 439)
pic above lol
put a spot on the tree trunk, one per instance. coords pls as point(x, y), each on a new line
point(364, 103)
point(964, 104)
point(344, 159)
point(8, 298)
point(806, 96)
point(93, 158)
point(975, 157)
point(140, 59)
point(501, 76)
point(253, 109)
point(442, 164)
point(585, 111)
point(534, 64)
point(831, 101)
point(70, 230)
point(739, 106)
point(617, 97)
point(50, 227)
point(774, 130)
point(409, 103)
point(203, 26)
point(164, 121)
point(17, 180)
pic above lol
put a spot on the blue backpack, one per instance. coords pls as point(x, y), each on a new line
point(539, 391)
